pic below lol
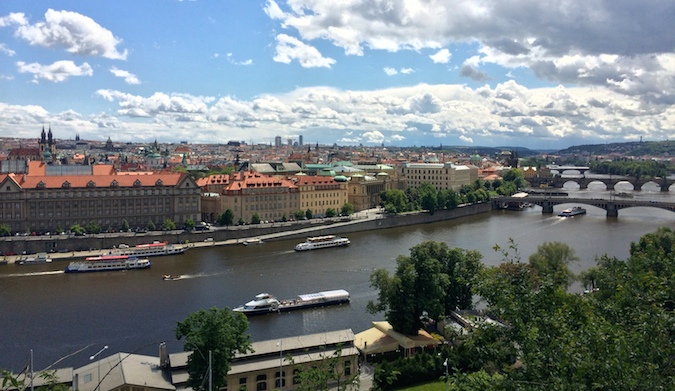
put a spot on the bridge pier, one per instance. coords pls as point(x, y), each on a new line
point(546, 207)
point(612, 210)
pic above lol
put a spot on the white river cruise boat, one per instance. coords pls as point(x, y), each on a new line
point(149, 249)
point(108, 263)
point(264, 303)
point(317, 242)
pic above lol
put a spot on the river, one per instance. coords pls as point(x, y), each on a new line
point(57, 314)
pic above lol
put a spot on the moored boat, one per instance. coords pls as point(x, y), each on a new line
point(252, 242)
point(570, 212)
point(318, 242)
point(150, 249)
point(264, 303)
point(38, 258)
point(107, 263)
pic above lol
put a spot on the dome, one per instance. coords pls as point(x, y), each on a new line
point(341, 178)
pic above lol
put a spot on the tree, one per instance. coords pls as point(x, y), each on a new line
point(429, 197)
point(169, 225)
point(394, 201)
point(551, 261)
point(330, 212)
point(227, 218)
point(418, 286)
point(308, 214)
point(326, 374)
point(151, 226)
point(220, 332)
point(299, 214)
point(189, 224)
point(241, 221)
point(93, 227)
point(125, 225)
point(77, 229)
point(347, 209)
point(4, 230)
point(255, 219)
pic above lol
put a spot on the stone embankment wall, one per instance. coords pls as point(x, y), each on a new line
point(301, 229)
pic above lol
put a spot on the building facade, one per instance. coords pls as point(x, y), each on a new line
point(319, 193)
point(37, 201)
point(247, 193)
point(442, 176)
point(275, 364)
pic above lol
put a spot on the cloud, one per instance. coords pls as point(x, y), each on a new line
point(13, 18)
point(407, 71)
point(373, 137)
point(390, 71)
point(128, 77)
point(290, 48)
point(473, 73)
point(466, 139)
point(56, 72)
point(6, 50)
point(76, 33)
point(441, 57)
point(622, 45)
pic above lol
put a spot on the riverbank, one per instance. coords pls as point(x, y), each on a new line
point(94, 245)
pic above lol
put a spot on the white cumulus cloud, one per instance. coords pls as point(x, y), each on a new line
point(290, 48)
point(441, 57)
point(74, 32)
point(57, 72)
point(128, 77)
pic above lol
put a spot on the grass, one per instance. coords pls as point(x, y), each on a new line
point(434, 386)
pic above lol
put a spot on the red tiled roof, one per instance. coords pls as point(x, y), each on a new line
point(82, 181)
point(315, 180)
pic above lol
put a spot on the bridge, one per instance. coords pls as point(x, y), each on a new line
point(610, 183)
point(561, 169)
point(611, 206)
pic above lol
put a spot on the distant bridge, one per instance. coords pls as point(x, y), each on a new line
point(610, 183)
point(611, 206)
point(561, 169)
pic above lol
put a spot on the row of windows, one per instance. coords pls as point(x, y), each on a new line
point(94, 212)
point(280, 378)
point(110, 193)
point(323, 195)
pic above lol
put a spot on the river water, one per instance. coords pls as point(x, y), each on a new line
point(57, 314)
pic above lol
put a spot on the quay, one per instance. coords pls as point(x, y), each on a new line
point(102, 244)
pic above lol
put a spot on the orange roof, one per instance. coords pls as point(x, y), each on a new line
point(81, 181)
point(315, 180)
point(251, 179)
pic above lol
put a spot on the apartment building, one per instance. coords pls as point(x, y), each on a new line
point(47, 197)
point(318, 193)
point(247, 193)
point(440, 175)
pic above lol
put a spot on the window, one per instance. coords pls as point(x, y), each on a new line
point(280, 383)
point(87, 378)
point(348, 368)
point(261, 383)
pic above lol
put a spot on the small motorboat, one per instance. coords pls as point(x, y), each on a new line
point(252, 242)
point(171, 277)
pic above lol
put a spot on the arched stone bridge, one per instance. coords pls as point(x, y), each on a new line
point(558, 182)
point(611, 206)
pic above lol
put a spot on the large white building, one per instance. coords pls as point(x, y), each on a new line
point(440, 175)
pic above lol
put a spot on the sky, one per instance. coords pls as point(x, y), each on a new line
point(543, 74)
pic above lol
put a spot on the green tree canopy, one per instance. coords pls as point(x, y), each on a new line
point(189, 224)
point(347, 209)
point(551, 261)
point(169, 225)
point(255, 219)
point(227, 218)
point(221, 332)
point(421, 285)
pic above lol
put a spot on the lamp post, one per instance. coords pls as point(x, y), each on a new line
point(445, 364)
point(99, 365)
point(281, 365)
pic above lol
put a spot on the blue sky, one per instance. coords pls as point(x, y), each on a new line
point(540, 74)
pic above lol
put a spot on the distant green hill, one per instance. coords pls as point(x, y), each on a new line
point(636, 148)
